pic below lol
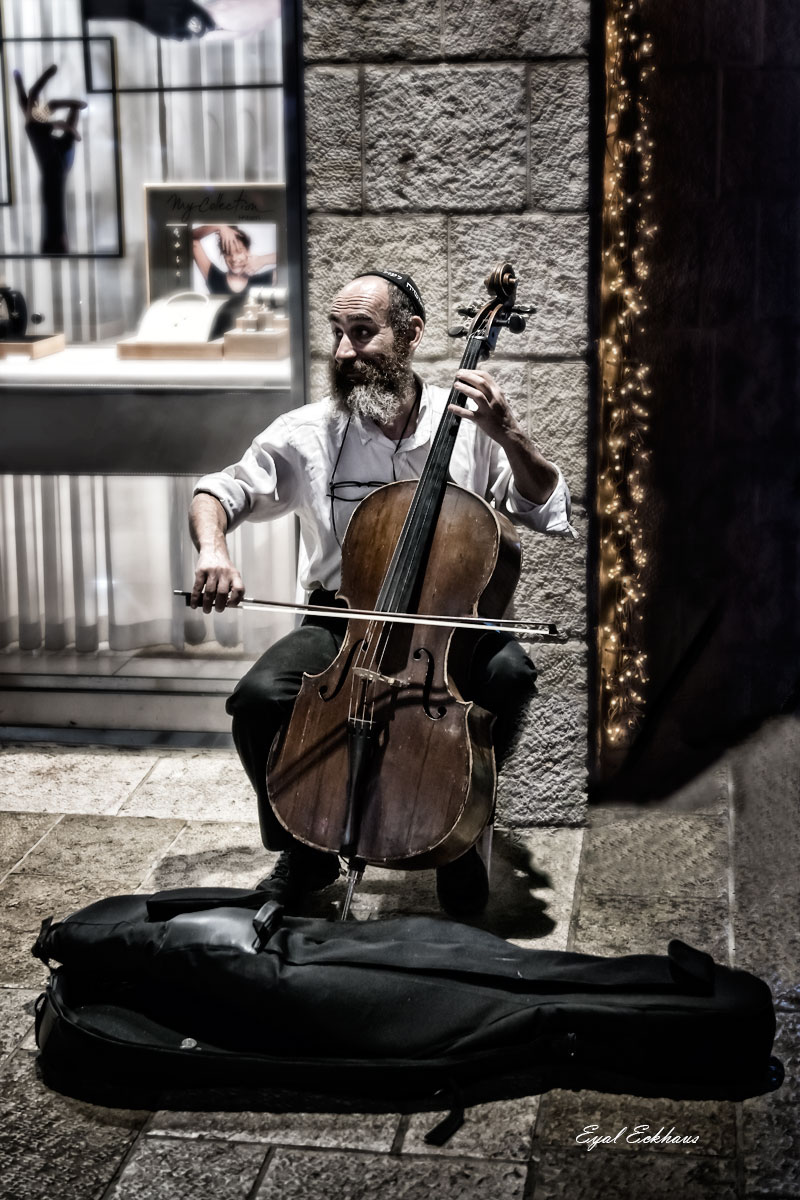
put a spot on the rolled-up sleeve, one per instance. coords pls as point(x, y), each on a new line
point(551, 517)
point(262, 485)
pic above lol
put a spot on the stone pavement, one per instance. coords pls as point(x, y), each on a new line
point(716, 865)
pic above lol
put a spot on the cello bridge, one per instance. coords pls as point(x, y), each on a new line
point(376, 677)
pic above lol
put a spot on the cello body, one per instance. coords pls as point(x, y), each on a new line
point(383, 760)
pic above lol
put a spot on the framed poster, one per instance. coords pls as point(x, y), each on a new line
point(215, 238)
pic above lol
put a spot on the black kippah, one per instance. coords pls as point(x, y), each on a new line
point(405, 283)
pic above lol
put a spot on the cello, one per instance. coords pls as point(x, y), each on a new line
point(383, 761)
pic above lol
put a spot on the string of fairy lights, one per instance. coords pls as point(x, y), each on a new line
point(627, 232)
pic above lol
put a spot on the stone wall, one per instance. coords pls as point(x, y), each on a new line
point(441, 139)
point(722, 630)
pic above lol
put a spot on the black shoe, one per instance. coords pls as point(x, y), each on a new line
point(298, 871)
point(463, 886)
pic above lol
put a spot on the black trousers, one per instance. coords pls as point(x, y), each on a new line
point(501, 678)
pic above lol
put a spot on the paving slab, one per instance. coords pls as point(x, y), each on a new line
point(51, 1146)
point(339, 1131)
point(771, 1130)
point(310, 1175)
point(658, 854)
point(176, 1169)
point(65, 780)
point(503, 1130)
point(212, 854)
point(645, 924)
point(18, 833)
point(202, 786)
point(16, 1017)
point(578, 1174)
point(119, 848)
point(766, 936)
point(566, 1115)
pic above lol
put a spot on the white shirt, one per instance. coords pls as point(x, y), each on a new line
point(290, 466)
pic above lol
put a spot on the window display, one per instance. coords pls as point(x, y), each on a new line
point(150, 312)
point(145, 136)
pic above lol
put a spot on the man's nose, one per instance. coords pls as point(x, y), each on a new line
point(344, 350)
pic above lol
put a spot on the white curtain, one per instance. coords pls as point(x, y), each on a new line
point(89, 563)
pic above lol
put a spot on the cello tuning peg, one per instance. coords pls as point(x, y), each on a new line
point(458, 331)
point(467, 310)
point(526, 309)
point(516, 323)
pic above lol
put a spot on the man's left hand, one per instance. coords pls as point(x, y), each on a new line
point(492, 412)
point(534, 476)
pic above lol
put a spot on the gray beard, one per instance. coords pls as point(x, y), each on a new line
point(373, 391)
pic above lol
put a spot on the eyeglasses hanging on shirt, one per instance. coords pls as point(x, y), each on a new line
point(337, 489)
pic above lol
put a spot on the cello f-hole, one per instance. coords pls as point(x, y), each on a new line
point(441, 711)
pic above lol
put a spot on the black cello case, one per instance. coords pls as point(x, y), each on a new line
point(209, 999)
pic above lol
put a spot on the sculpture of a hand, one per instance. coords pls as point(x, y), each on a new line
point(53, 144)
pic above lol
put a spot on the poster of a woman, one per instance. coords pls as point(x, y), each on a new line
point(229, 259)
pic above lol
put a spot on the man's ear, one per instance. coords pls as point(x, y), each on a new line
point(415, 333)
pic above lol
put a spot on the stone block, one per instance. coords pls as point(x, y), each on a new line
point(508, 29)
point(562, 669)
point(618, 925)
point(558, 419)
point(16, 1017)
point(18, 833)
point(553, 582)
point(543, 779)
point(333, 138)
point(353, 1131)
point(209, 785)
point(450, 155)
point(161, 1169)
point(119, 848)
point(52, 1146)
point(64, 780)
point(315, 1175)
point(551, 258)
point(339, 247)
point(350, 30)
point(572, 1172)
point(559, 155)
point(681, 855)
point(772, 1147)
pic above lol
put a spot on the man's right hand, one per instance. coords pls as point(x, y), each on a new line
point(217, 583)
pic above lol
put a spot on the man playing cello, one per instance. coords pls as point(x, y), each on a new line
point(318, 461)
